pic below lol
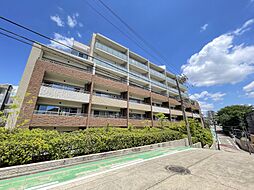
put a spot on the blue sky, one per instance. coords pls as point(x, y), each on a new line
point(210, 39)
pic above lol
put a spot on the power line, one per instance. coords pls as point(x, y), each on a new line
point(122, 32)
point(137, 35)
point(141, 38)
point(32, 41)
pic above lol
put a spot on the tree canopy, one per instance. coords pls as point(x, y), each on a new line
point(233, 116)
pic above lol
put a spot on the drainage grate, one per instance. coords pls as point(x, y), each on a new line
point(178, 169)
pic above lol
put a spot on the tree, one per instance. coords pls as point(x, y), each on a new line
point(10, 118)
point(234, 116)
point(161, 117)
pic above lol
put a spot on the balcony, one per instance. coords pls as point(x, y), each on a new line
point(176, 112)
point(113, 96)
point(170, 80)
point(182, 87)
point(59, 113)
point(139, 106)
point(111, 51)
point(138, 64)
point(156, 83)
point(107, 101)
point(109, 116)
point(63, 93)
point(158, 74)
point(160, 110)
point(139, 76)
point(111, 66)
point(173, 90)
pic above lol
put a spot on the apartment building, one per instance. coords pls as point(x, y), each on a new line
point(68, 90)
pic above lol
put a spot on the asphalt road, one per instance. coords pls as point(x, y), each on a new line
point(206, 169)
point(226, 142)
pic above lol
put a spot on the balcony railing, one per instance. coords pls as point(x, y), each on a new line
point(156, 73)
point(138, 76)
point(182, 86)
point(138, 118)
point(110, 50)
point(65, 87)
point(59, 113)
point(118, 97)
point(159, 84)
point(172, 81)
point(173, 90)
point(138, 64)
point(138, 102)
point(109, 116)
point(111, 65)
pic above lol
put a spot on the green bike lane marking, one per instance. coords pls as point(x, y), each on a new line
point(71, 172)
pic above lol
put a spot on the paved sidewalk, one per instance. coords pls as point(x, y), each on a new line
point(44, 179)
point(209, 169)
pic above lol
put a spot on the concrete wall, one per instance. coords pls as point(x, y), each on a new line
point(160, 109)
point(142, 107)
point(60, 94)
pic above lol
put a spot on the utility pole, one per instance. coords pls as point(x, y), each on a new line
point(215, 130)
point(184, 78)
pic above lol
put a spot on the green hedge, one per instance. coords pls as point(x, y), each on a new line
point(24, 146)
point(27, 146)
point(198, 133)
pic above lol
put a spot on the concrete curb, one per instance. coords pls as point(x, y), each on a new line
point(197, 145)
point(14, 171)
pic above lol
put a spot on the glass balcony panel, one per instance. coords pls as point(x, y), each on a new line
point(138, 64)
point(172, 81)
point(159, 84)
point(156, 73)
point(111, 65)
point(138, 76)
point(110, 50)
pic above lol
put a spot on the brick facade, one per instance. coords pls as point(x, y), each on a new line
point(38, 120)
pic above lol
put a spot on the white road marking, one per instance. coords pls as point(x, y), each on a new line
point(42, 186)
point(109, 170)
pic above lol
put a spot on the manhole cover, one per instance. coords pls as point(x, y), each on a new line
point(178, 169)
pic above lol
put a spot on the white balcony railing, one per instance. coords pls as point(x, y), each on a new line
point(138, 64)
point(110, 50)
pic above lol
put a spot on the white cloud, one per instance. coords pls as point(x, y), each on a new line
point(57, 20)
point(62, 39)
point(79, 35)
point(206, 95)
point(203, 28)
point(80, 24)
point(245, 27)
point(220, 61)
point(206, 106)
point(206, 99)
point(72, 20)
point(249, 89)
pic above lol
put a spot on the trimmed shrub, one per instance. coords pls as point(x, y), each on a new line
point(23, 146)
